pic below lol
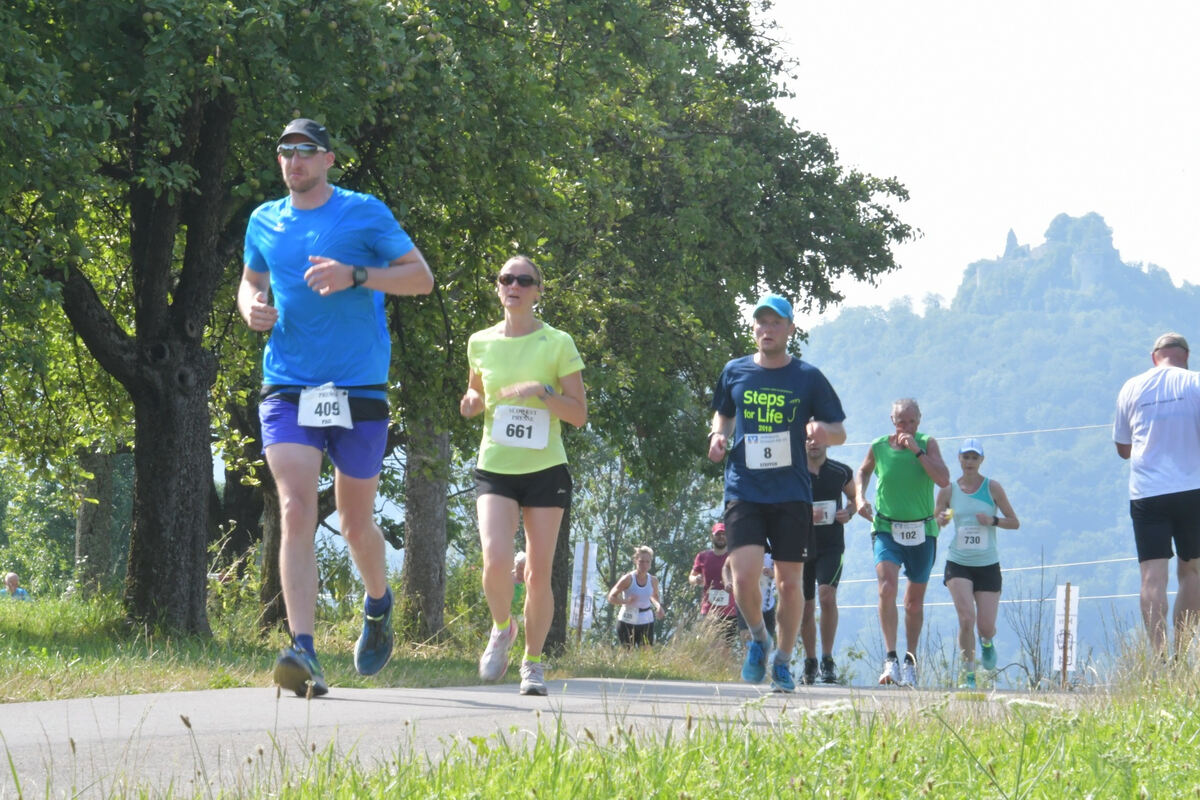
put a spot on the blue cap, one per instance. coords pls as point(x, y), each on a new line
point(971, 446)
point(777, 303)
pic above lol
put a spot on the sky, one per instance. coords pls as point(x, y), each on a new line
point(1001, 116)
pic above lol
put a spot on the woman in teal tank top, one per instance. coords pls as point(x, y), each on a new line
point(972, 571)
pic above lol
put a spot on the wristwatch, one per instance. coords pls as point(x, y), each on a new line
point(360, 276)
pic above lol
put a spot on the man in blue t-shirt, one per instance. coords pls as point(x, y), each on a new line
point(327, 256)
point(765, 407)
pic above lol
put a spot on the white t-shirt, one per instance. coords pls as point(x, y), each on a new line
point(1158, 413)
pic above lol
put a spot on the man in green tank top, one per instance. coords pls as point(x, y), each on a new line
point(904, 531)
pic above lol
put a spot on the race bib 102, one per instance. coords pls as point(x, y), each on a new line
point(909, 534)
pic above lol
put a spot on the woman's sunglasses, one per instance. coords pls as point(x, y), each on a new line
point(524, 281)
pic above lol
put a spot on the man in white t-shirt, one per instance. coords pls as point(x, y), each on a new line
point(1157, 427)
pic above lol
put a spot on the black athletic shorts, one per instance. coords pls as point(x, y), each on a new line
point(985, 579)
point(547, 488)
point(825, 569)
point(630, 634)
point(783, 529)
point(1159, 520)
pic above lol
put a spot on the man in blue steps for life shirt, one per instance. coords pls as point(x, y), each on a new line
point(766, 405)
point(328, 256)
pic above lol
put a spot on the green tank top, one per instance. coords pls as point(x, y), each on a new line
point(903, 492)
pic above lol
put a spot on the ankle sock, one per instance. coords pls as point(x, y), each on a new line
point(304, 641)
point(759, 633)
point(378, 606)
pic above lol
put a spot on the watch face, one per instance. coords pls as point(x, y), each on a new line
point(360, 276)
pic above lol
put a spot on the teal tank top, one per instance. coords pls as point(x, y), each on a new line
point(973, 545)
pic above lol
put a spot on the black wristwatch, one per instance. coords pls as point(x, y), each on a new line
point(920, 453)
point(360, 276)
point(995, 521)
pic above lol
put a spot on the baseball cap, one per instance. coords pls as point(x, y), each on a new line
point(971, 446)
point(718, 526)
point(1170, 340)
point(313, 131)
point(777, 303)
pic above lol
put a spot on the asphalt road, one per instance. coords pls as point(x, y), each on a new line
point(110, 746)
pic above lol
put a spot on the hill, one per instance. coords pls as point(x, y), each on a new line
point(1029, 355)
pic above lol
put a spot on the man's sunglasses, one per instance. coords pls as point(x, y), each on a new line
point(524, 281)
point(302, 150)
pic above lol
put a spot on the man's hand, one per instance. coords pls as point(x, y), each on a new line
point(261, 315)
point(327, 276)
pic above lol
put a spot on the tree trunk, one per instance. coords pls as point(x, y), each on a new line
point(560, 584)
point(242, 501)
point(274, 612)
point(167, 576)
point(423, 577)
point(93, 524)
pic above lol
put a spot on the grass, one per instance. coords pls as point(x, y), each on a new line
point(1138, 738)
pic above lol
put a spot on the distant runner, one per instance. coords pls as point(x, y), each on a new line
point(972, 571)
point(637, 595)
point(904, 531)
point(831, 480)
point(716, 596)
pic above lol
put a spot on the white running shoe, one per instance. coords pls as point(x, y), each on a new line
point(891, 672)
point(533, 678)
point(908, 671)
point(494, 661)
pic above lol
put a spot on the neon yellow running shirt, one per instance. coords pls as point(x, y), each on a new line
point(545, 356)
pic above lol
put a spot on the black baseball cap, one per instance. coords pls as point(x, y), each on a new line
point(311, 130)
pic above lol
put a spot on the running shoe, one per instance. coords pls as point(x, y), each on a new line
point(297, 670)
point(908, 670)
point(374, 646)
point(809, 676)
point(754, 668)
point(533, 678)
point(891, 672)
point(828, 670)
point(969, 682)
point(781, 678)
point(987, 655)
point(494, 661)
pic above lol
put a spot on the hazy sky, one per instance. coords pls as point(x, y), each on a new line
point(1003, 115)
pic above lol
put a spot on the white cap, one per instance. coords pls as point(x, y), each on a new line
point(971, 445)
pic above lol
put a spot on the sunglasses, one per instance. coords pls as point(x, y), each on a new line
point(524, 281)
point(303, 150)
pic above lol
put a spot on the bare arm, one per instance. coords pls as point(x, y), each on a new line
point(406, 275)
point(942, 506)
point(654, 598)
point(471, 404)
point(862, 479)
point(1009, 519)
point(843, 515)
point(827, 433)
point(569, 405)
point(933, 464)
point(718, 438)
point(615, 593)
point(253, 302)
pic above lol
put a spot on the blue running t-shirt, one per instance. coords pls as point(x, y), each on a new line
point(342, 337)
point(767, 401)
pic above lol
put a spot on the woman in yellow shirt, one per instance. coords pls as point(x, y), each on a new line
point(525, 377)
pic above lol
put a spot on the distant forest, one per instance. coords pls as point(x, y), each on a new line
point(1030, 355)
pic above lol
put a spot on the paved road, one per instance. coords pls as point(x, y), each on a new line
point(106, 746)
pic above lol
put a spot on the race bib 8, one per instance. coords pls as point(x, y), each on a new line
point(971, 537)
point(909, 534)
point(520, 426)
point(768, 450)
point(324, 407)
point(824, 511)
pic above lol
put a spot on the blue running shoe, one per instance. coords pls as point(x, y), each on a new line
point(754, 668)
point(987, 655)
point(374, 646)
point(781, 678)
point(297, 670)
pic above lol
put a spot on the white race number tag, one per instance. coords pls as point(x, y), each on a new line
point(628, 614)
point(768, 450)
point(970, 537)
point(909, 534)
point(325, 407)
point(718, 597)
point(520, 426)
point(824, 511)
